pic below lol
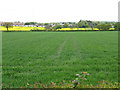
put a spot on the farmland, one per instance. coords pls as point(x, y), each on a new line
point(33, 57)
point(21, 28)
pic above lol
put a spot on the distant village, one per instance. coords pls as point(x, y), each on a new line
point(35, 24)
point(101, 25)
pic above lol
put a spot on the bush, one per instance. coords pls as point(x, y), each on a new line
point(117, 26)
point(103, 26)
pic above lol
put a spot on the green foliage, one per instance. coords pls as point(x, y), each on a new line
point(65, 25)
point(90, 23)
point(117, 26)
point(57, 27)
point(48, 27)
point(46, 24)
point(27, 23)
point(30, 23)
point(99, 27)
point(103, 26)
point(82, 24)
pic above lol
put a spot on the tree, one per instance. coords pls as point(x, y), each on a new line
point(46, 24)
point(30, 23)
point(99, 26)
point(65, 25)
point(74, 26)
point(27, 23)
point(8, 25)
point(117, 26)
point(48, 27)
point(91, 24)
point(57, 27)
point(82, 24)
point(104, 26)
point(33, 23)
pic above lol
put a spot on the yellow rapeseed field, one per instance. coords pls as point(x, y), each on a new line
point(20, 28)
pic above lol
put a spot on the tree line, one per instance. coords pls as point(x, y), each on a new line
point(81, 24)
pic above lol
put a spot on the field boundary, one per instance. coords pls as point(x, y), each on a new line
point(61, 31)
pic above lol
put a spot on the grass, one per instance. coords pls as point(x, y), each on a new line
point(45, 57)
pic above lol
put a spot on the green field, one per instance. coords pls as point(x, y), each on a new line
point(31, 57)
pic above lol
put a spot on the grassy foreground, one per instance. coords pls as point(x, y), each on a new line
point(47, 57)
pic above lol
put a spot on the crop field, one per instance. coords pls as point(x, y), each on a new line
point(21, 28)
point(45, 57)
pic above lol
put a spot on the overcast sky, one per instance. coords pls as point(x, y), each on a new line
point(58, 10)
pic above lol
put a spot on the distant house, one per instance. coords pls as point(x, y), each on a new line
point(18, 23)
point(41, 26)
point(1, 23)
point(30, 25)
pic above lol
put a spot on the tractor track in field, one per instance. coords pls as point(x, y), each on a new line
point(59, 51)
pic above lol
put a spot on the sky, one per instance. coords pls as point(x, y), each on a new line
point(58, 10)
